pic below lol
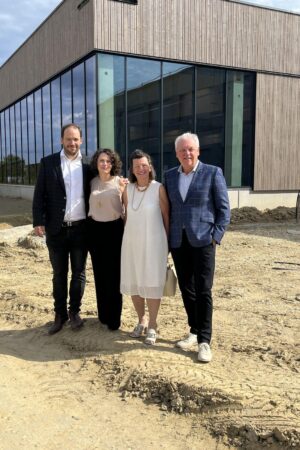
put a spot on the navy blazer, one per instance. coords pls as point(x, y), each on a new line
point(49, 199)
point(205, 212)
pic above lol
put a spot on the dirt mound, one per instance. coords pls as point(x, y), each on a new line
point(250, 214)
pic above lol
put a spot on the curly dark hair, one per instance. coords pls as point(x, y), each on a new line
point(138, 154)
point(116, 163)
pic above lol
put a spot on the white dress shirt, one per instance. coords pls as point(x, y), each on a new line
point(73, 179)
point(185, 180)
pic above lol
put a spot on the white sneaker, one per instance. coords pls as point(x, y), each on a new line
point(189, 342)
point(204, 354)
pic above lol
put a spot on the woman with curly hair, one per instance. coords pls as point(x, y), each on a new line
point(106, 228)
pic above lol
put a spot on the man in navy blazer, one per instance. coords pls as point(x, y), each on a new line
point(59, 210)
point(200, 212)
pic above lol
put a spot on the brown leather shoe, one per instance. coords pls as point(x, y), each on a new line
point(76, 321)
point(57, 324)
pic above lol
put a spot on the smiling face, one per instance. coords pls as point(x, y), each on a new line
point(104, 164)
point(141, 169)
point(71, 142)
point(187, 153)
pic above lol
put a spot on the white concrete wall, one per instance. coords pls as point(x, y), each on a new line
point(16, 191)
point(261, 200)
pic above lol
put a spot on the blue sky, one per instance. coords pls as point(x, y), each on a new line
point(19, 18)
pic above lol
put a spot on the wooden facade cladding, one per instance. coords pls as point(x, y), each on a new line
point(217, 32)
point(277, 133)
point(66, 36)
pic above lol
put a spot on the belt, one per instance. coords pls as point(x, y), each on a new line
point(72, 224)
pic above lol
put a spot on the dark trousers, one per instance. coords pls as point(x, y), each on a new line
point(69, 244)
point(105, 240)
point(195, 268)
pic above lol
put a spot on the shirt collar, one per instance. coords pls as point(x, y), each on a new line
point(63, 156)
point(193, 170)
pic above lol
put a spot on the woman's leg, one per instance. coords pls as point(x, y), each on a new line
point(139, 306)
point(153, 305)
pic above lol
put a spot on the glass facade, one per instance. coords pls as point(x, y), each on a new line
point(127, 103)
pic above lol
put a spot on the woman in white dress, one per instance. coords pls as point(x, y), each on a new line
point(145, 243)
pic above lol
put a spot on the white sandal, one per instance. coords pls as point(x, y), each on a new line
point(151, 337)
point(138, 331)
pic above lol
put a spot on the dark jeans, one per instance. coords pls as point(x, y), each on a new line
point(195, 268)
point(69, 243)
point(105, 240)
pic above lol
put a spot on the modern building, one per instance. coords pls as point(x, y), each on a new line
point(137, 73)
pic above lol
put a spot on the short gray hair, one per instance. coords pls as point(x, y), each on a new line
point(187, 135)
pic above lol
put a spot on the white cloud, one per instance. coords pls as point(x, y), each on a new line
point(18, 20)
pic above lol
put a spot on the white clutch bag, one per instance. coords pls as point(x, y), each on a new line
point(171, 281)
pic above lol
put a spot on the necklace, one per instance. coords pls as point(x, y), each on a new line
point(143, 195)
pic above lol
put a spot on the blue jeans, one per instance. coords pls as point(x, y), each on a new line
point(68, 244)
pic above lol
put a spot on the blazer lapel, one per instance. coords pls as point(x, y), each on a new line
point(196, 175)
point(176, 186)
point(57, 167)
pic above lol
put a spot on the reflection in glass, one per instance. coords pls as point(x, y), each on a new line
point(143, 100)
point(25, 140)
point(46, 120)
point(56, 117)
point(38, 126)
point(3, 147)
point(91, 107)
point(7, 146)
point(66, 98)
point(79, 101)
point(111, 108)
point(248, 129)
point(12, 157)
point(178, 95)
point(31, 141)
point(19, 157)
point(210, 114)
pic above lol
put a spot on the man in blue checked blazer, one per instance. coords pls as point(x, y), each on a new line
point(200, 212)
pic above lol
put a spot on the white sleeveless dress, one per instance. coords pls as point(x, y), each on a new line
point(145, 247)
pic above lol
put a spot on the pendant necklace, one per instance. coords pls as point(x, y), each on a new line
point(99, 190)
point(143, 195)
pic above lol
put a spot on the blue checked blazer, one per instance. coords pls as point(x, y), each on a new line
point(205, 212)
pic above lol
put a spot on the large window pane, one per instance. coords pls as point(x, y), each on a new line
point(178, 88)
point(31, 139)
point(91, 106)
point(143, 99)
point(79, 101)
point(3, 147)
point(19, 157)
point(210, 114)
point(66, 98)
point(25, 140)
point(12, 156)
point(56, 116)
point(38, 125)
point(7, 147)
point(111, 108)
point(46, 120)
point(248, 129)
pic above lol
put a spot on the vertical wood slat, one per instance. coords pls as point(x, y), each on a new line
point(277, 136)
point(208, 31)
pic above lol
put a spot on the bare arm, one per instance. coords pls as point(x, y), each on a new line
point(164, 206)
point(125, 203)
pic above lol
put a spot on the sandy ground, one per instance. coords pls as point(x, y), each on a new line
point(96, 389)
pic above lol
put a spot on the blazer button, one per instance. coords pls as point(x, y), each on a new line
point(63, 210)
